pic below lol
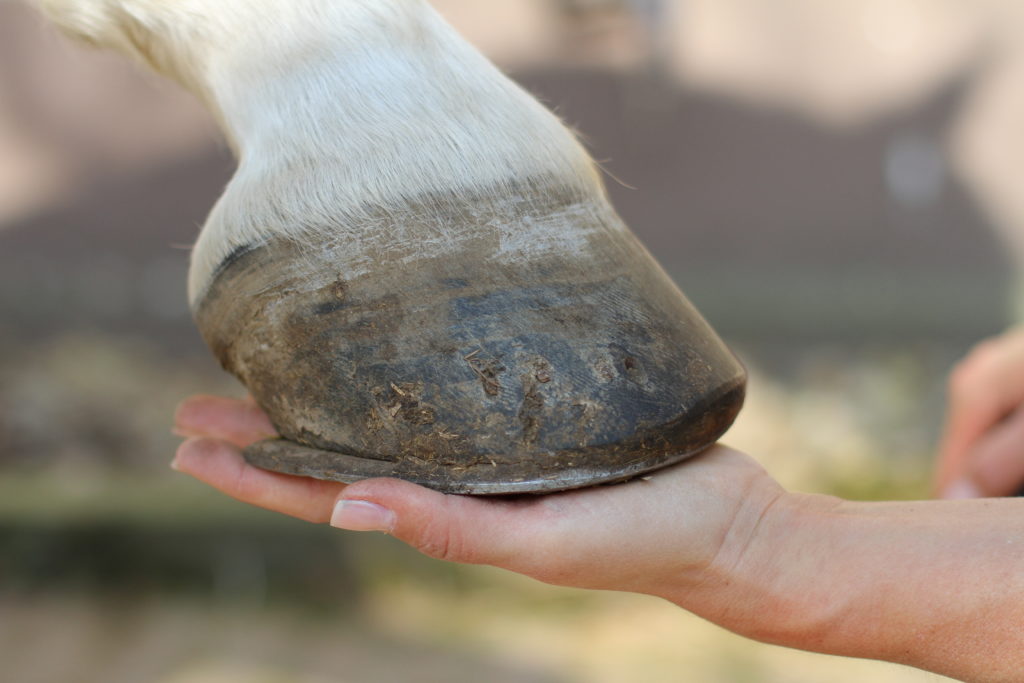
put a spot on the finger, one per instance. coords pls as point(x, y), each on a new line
point(452, 528)
point(984, 388)
point(501, 532)
point(237, 421)
point(997, 462)
point(220, 464)
point(971, 415)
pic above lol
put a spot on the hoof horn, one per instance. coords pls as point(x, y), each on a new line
point(539, 349)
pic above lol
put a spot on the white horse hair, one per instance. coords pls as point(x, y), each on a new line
point(342, 110)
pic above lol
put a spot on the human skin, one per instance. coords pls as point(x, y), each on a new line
point(982, 450)
point(938, 585)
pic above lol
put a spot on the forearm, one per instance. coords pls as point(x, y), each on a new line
point(936, 585)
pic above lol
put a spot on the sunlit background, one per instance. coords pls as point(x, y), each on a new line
point(839, 186)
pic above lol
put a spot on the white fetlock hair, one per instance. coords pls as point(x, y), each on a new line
point(339, 111)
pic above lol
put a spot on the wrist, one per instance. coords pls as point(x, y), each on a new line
point(765, 582)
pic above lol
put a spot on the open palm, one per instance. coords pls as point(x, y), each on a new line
point(639, 536)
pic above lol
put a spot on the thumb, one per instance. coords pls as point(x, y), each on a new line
point(446, 527)
point(997, 461)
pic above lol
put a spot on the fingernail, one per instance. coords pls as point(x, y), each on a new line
point(174, 464)
point(961, 489)
point(362, 515)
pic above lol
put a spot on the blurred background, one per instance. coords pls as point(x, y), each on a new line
point(838, 186)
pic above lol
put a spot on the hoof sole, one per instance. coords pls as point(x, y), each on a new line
point(576, 469)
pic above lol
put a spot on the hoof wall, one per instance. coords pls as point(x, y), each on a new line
point(468, 370)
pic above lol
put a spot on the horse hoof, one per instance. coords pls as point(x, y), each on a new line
point(540, 348)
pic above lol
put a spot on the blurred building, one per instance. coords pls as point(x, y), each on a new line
point(802, 169)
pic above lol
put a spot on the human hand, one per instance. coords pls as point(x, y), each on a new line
point(664, 535)
point(982, 449)
point(715, 535)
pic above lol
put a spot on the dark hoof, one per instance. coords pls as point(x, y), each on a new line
point(472, 376)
